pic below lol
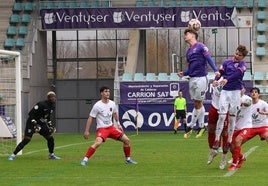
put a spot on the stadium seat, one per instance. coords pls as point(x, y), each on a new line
point(20, 42)
point(51, 5)
point(240, 4)
point(95, 4)
point(185, 3)
point(9, 43)
point(162, 3)
point(217, 2)
point(261, 39)
point(247, 76)
point(29, 7)
point(206, 3)
point(262, 88)
point(73, 4)
point(139, 3)
point(126, 77)
point(14, 19)
point(174, 76)
point(11, 31)
point(150, 77)
point(62, 5)
point(17, 7)
point(261, 27)
point(162, 76)
point(229, 3)
point(105, 4)
point(84, 4)
point(23, 30)
point(195, 3)
point(42, 5)
point(260, 51)
point(258, 76)
point(150, 3)
point(138, 77)
point(25, 18)
point(173, 3)
point(250, 4)
point(262, 4)
point(261, 15)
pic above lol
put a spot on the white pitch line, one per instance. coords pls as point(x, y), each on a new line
point(230, 173)
point(58, 147)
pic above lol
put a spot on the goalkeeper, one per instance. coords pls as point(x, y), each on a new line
point(39, 121)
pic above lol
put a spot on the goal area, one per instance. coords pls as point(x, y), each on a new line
point(10, 101)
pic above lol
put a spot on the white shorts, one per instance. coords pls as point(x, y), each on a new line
point(198, 87)
point(229, 101)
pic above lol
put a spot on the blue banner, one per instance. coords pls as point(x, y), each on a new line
point(152, 117)
point(136, 17)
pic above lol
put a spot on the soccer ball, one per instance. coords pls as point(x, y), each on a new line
point(194, 24)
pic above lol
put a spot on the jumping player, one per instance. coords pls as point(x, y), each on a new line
point(104, 111)
point(242, 129)
point(39, 121)
point(232, 70)
point(197, 57)
point(215, 89)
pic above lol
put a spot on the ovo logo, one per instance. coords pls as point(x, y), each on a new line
point(129, 118)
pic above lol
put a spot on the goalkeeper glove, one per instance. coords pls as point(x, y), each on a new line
point(51, 127)
point(37, 128)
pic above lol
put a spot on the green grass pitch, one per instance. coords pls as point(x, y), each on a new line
point(163, 158)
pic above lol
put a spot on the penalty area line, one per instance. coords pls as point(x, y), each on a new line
point(252, 149)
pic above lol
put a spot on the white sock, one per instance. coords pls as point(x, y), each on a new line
point(201, 117)
point(231, 128)
point(219, 126)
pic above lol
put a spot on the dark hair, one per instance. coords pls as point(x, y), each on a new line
point(242, 49)
point(190, 30)
point(104, 88)
point(255, 88)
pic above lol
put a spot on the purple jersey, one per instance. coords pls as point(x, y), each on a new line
point(197, 57)
point(233, 71)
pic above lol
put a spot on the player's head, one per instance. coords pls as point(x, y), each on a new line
point(191, 32)
point(105, 92)
point(51, 96)
point(255, 90)
point(241, 52)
